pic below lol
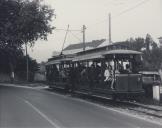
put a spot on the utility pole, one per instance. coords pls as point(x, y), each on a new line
point(110, 28)
point(84, 46)
point(27, 63)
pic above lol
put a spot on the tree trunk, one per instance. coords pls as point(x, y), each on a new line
point(12, 73)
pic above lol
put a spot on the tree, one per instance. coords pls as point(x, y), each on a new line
point(9, 56)
point(20, 68)
point(152, 59)
point(137, 44)
point(23, 22)
point(152, 54)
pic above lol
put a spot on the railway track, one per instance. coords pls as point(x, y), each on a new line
point(129, 105)
point(151, 111)
point(126, 105)
point(140, 108)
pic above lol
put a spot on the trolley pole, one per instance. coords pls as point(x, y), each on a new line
point(84, 46)
point(27, 63)
point(65, 39)
point(110, 28)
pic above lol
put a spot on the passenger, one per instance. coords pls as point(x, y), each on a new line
point(56, 73)
point(91, 76)
point(79, 68)
point(83, 71)
point(128, 68)
point(109, 76)
point(121, 68)
point(84, 75)
point(63, 75)
point(72, 78)
point(97, 73)
point(77, 73)
point(117, 71)
point(108, 73)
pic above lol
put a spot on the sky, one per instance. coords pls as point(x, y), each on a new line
point(130, 18)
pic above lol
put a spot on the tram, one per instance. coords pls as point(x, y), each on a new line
point(106, 73)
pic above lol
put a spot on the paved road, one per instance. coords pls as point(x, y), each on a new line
point(22, 107)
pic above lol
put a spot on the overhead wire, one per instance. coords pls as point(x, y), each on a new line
point(92, 26)
point(132, 8)
point(102, 21)
point(60, 29)
point(121, 13)
point(75, 36)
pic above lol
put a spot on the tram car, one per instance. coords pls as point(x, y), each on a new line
point(107, 73)
point(57, 72)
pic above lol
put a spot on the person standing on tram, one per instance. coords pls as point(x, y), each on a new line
point(109, 76)
point(108, 73)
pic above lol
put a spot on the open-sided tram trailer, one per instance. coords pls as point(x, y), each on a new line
point(125, 85)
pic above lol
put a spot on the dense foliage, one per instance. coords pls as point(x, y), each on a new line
point(21, 68)
point(152, 54)
point(21, 22)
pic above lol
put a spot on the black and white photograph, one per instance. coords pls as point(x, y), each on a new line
point(80, 63)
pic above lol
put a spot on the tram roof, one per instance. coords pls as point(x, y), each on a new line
point(91, 56)
point(59, 59)
point(122, 51)
point(53, 62)
point(101, 54)
point(88, 57)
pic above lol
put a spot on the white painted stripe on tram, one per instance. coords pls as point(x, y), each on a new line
point(42, 114)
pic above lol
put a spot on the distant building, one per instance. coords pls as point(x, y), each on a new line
point(74, 48)
point(55, 53)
